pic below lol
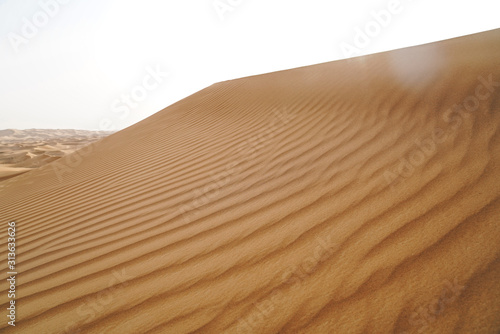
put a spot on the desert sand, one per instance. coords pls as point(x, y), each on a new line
point(356, 196)
point(24, 150)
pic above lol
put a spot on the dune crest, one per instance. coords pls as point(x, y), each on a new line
point(357, 196)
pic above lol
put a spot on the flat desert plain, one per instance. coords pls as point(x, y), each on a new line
point(356, 196)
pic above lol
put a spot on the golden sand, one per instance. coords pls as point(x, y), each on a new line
point(357, 196)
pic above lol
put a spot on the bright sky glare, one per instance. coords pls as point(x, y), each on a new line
point(107, 64)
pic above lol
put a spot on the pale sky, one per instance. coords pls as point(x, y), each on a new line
point(107, 64)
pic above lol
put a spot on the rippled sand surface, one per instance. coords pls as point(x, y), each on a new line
point(357, 196)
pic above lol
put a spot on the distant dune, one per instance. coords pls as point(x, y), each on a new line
point(23, 150)
point(357, 196)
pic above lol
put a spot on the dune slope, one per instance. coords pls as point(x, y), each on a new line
point(357, 196)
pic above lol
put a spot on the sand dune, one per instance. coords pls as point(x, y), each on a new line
point(357, 196)
point(24, 150)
